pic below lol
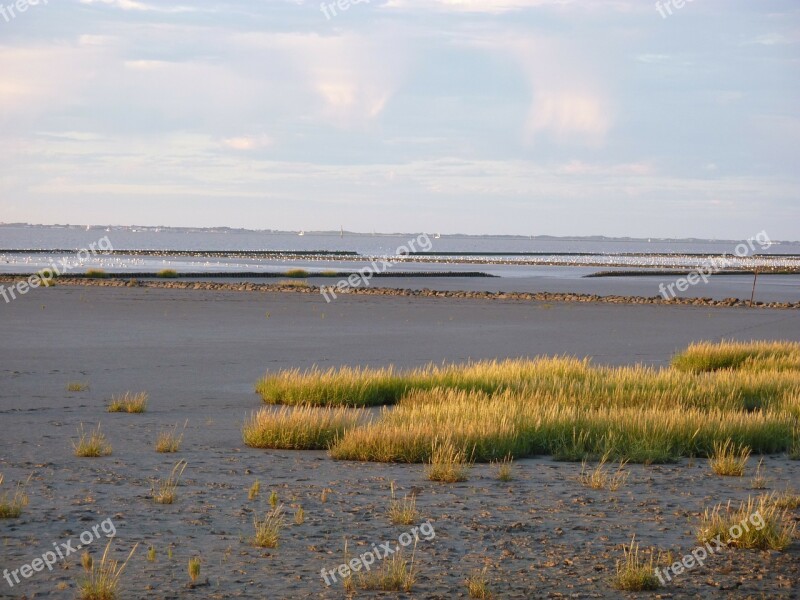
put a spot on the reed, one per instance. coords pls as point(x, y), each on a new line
point(759, 523)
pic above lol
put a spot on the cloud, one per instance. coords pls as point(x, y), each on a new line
point(140, 6)
point(248, 142)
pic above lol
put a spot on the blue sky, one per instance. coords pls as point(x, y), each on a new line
point(560, 117)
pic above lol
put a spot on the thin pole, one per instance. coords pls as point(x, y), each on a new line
point(753, 295)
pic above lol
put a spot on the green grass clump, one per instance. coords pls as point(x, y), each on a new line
point(403, 511)
point(448, 463)
point(164, 491)
point(636, 572)
point(754, 355)
point(129, 402)
point(91, 444)
point(478, 586)
point(297, 273)
point(759, 524)
point(294, 283)
point(395, 574)
point(77, 386)
point(299, 428)
point(167, 274)
point(96, 274)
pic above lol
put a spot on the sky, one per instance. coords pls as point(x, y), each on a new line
point(530, 117)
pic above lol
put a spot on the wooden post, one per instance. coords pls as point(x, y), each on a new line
point(753, 295)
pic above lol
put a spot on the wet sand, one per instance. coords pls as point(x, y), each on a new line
point(198, 354)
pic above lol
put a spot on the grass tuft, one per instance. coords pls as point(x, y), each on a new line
point(448, 463)
point(167, 274)
point(11, 506)
point(268, 529)
point(169, 440)
point(165, 490)
point(96, 274)
point(297, 273)
point(505, 469)
point(706, 356)
point(103, 578)
point(729, 460)
point(129, 402)
point(77, 386)
point(636, 573)
point(478, 586)
point(91, 444)
point(403, 511)
point(194, 568)
point(757, 524)
point(601, 478)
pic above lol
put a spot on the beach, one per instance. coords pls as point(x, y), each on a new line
point(198, 354)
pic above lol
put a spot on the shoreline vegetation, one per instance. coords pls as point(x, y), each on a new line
point(128, 281)
point(747, 394)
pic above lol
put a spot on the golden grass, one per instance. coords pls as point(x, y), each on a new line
point(129, 402)
point(448, 463)
point(91, 444)
point(755, 355)
point(758, 523)
point(11, 506)
point(403, 511)
point(636, 572)
point(169, 440)
point(729, 460)
point(505, 469)
point(786, 500)
point(395, 574)
point(478, 586)
point(96, 274)
point(167, 274)
point(299, 516)
point(300, 428)
point(164, 491)
point(77, 386)
point(254, 490)
point(759, 479)
point(517, 424)
point(268, 529)
point(194, 568)
point(602, 478)
point(103, 578)
point(295, 283)
point(297, 273)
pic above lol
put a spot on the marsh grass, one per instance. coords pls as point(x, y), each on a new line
point(273, 499)
point(254, 490)
point(478, 585)
point(794, 447)
point(403, 511)
point(96, 274)
point(505, 469)
point(297, 273)
point(194, 568)
point(448, 463)
point(299, 428)
point(129, 402)
point(12, 505)
point(762, 523)
point(102, 579)
point(268, 529)
point(603, 478)
point(169, 440)
point(728, 459)
point(636, 571)
point(759, 479)
point(167, 274)
point(295, 283)
point(164, 491)
point(299, 516)
point(395, 574)
point(786, 500)
point(77, 386)
point(755, 355)
point(91, 444)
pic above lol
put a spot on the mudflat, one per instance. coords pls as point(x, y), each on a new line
point(198, 354)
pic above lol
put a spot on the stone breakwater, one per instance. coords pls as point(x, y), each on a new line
point(298, 288)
